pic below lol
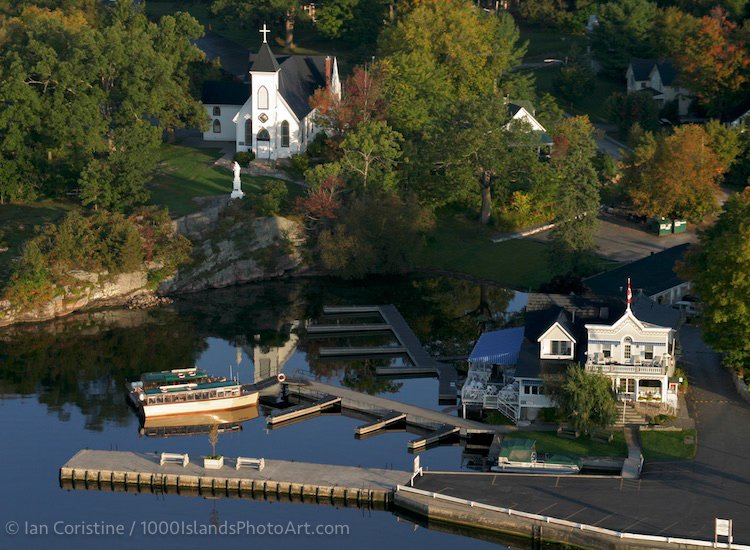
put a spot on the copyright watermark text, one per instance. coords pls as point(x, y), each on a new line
point(172, 528)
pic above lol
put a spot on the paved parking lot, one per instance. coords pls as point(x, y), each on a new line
point(621, 241)
point(679, 498)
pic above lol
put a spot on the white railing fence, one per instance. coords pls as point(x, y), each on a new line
point(572, 524)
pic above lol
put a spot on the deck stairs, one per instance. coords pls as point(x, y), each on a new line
point(630, 417)
point(505, 401)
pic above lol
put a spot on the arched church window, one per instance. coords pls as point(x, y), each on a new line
point(285, 134)
point(262, 98)
point(217, 111)
point(217, 126)
point(249, 131)
point(263, 135)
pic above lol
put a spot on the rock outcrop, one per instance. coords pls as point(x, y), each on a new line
point(232, 247)
point(100, 290)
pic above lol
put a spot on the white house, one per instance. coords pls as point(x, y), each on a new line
point(637, 355)
point(509, 372)
point(270, 115)
point(523, 111)
point(659, 78)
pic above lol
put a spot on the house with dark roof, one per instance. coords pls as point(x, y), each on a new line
point(270, 114)
point(659, 78)
point(632, 343)
point(738, 115)
point(654, 276)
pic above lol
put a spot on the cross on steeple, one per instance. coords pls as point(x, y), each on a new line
point(264, 31)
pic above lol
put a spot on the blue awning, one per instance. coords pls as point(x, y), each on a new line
point(499, 347)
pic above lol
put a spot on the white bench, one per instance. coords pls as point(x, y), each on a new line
point(174, 457)
point(257, 463)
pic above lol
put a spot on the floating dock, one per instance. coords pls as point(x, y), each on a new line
point(278, 480)
point(300, 411)
point(435, 425)
point(409, 345)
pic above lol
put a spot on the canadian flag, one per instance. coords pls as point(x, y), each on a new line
point(630, 292)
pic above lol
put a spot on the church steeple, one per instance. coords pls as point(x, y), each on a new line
point(265, 61)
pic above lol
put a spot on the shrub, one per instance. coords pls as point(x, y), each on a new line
point(243, 158)
point(272, 196)
point(300, 163)
point(97, 243)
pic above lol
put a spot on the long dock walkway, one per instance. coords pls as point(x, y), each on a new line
point(381, 408)
point(113, 470)
point(408, 344)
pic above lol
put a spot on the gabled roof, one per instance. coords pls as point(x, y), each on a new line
point(642, 69)
point(564, 323)
point(738, 110)
point(264, 61)
point(652, 274)
point(299, 77)
point(224, 92)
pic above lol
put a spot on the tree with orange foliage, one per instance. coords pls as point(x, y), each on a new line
point(679, 179)
point(713, 60)
point(361, 101)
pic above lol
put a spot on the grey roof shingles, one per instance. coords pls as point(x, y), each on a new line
point(264, 61)
point(642, 69)
point(224, 92)
point(299, 76)
point(652, 274)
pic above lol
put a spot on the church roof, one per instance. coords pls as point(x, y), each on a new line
point(264, 61)
point(224, 92)
point(299, 77)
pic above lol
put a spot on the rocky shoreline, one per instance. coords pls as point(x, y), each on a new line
point(230, 246)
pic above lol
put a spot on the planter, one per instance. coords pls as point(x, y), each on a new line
point(213, 463)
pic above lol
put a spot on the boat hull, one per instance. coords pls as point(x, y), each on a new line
point(193, 407)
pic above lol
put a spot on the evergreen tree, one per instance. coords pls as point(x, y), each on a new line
point(720, 271)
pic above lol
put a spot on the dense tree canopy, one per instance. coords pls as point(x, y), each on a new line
point(86, 102)
point(626, 29)
point(720, 271)
point(675, 176)
point(442, 53)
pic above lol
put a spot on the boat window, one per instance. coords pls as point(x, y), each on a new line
point(219, 394)
point(212, 394)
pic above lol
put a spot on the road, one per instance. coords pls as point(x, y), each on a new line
point(678, 498)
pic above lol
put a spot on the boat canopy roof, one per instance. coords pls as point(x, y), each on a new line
point(170, 376)
point(518, 450)
point(197, 387)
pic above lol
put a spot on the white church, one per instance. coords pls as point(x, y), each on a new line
point(270, 115)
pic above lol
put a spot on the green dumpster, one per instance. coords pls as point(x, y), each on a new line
point(679, 226)
point(662, 226)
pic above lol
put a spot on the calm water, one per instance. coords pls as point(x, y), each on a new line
point(61, 390)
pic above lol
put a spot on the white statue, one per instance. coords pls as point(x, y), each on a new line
point(237, 184)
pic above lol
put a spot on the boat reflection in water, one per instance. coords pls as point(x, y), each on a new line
point(197, 424)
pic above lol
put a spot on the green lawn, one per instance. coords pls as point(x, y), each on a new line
point(668, 445)
point(184, 173)
point(463, 245)
point(550, 442)
point(20, 222)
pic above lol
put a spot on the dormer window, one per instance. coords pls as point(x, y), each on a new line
point(560, 347)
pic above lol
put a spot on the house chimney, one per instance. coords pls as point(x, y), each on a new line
point(328, 71)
